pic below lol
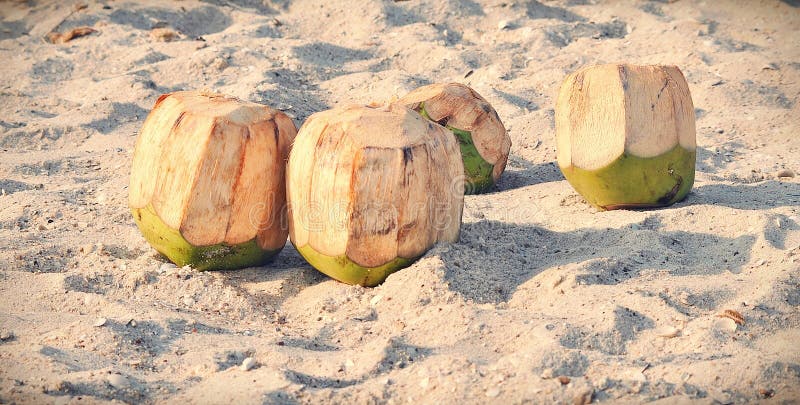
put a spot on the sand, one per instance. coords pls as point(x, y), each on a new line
point(542, 300)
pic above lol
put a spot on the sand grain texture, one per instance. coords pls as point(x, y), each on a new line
point(623, 304)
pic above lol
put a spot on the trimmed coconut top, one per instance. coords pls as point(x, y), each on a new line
point(460, 107)
point(603, 111)
point(386, 126)
point(232, 109)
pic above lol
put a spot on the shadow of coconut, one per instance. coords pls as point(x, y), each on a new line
point(520, 173)
point(121, 114)
point(536, 10)
point(627, 324)
point(396, 355)
point(291, 86)
point(259, 6)
point(761, 196)
point(323, 53)
point(711, 162)
point(324, 61)
point(288, 269)
point(193, 22)
point(518, 253)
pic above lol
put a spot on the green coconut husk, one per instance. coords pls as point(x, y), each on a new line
point(345, 270)
point(170, 243)
point(477, 171)
point(635, 182)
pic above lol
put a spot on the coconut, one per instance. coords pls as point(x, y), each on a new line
point(626, 135)
point(207, 185)
point(371, 189)
point(483, 139)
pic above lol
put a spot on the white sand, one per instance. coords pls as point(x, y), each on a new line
point(540, 284)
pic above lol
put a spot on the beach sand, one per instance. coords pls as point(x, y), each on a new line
point(544, 299)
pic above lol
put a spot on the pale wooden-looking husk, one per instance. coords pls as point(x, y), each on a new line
point(374, 184)
point(603, 111)
point(213, 168)
point(461, 107)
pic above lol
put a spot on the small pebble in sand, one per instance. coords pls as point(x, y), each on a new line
point(6, 335)
point(547, 373)
point(583, 398)
point(248, 364)
point(166, 267)
point(564, 380)
point(118, 381)
point(784, 173)
point(493, 392)
point(99, 322)
point(163, 35)
point(503, 24)
point(220, 64)
point(725, 325)
point(603, 383)
point(667, 331)
point(55, 386)
point(423, 383)
point(557, 281)
point(375, 300)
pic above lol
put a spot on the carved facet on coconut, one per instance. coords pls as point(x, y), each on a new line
point(371, 189)
point(483, 139)
point(626, 135)
point(207, 184)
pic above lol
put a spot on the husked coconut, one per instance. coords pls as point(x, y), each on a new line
point(207, 184)
point(626, 135)
point(371, 189)
point(483, 139)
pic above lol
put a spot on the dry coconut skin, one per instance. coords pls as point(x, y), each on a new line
point(626, 135)
point(372, 189)
point(483, 139)
point(207, 182)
